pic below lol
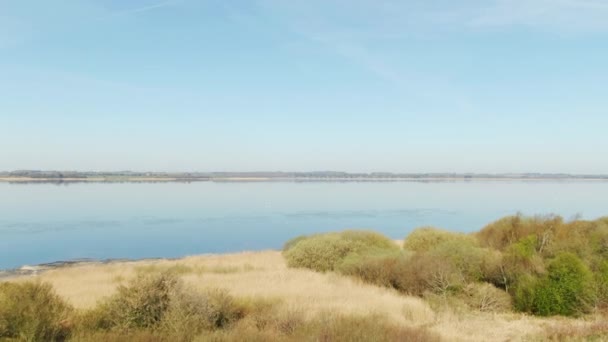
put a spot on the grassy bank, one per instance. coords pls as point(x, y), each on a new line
point(264, 276)
point(266, 296)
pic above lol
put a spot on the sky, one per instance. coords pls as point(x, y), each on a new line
point(267, 85)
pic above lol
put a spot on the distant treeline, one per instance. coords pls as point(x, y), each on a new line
point(289, 175)
point(85, 175)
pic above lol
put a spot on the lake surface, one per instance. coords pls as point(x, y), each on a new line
point(42, 223)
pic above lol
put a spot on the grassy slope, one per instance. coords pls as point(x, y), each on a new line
point(264, 274)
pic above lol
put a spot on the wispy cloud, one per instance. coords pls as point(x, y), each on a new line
point(352, 30)
point(367, 33)
point(549, 15)
point(393, 18)
point(24, 20)
point(146, 8)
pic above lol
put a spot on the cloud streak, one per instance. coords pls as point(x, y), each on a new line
point(143, 9)
point(392, 18)
point(352, 33)
point(21, 21)
point(549, 15)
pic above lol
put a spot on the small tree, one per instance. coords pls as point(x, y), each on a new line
point(566, 290)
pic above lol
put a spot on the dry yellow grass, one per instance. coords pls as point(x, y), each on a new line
point(264, 274)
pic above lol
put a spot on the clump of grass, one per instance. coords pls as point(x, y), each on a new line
point(220, 269)
point(326, 327)
point(249, 268)
point(31, 311)
point(224, 269)
point(177, 269)
point(288, 321)
point(332, 327)
point(118, 278)
point(119, 336)
point(568, 331)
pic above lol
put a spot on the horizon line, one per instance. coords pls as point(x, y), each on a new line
point(304, 172)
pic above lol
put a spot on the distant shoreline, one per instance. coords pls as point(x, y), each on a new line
point(33, 176)
point(96, 179)
point(288, 179)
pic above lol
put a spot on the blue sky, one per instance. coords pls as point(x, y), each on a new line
point(358, 85)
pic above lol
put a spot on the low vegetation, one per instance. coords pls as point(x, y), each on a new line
point(32, 312)
point(540, 265)
point(160, 307)
point(326, 252)
point(519, 278)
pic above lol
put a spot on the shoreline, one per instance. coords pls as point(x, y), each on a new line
point(98, 179)
point(295, 179)
point(37, 269)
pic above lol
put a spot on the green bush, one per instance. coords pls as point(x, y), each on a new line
point(259, 312)
point(519, 263)
point(367, 240)
point(465, 258)
point(321, 253)
point(542, 262)
point(566, 289)
point(190, 313)
point(220, 309)
point(140, 304)
point(601, 281)
point(325, 252)
point(31, 311)
point(161, 302)
point(292, 242)
point(379, 268)
point(426, 238)
point(599, 238)
point(523, 292)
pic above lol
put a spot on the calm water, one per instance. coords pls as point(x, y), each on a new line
point(45, 222)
